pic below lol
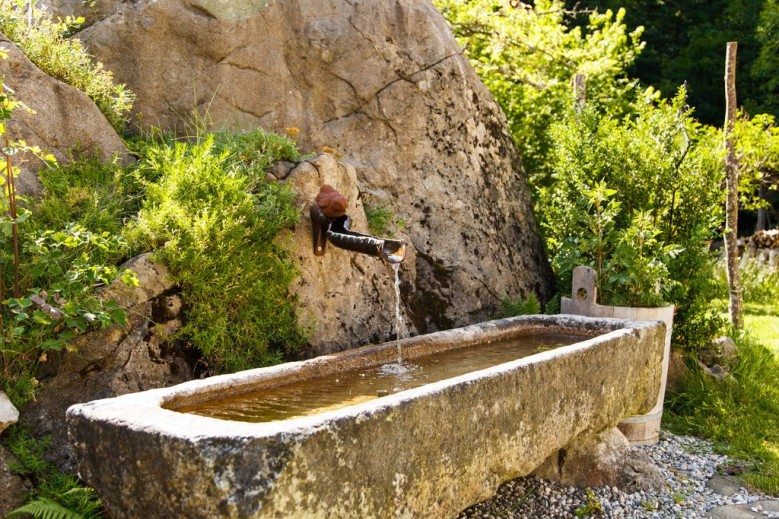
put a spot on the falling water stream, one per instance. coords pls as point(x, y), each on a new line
point(398, 318)
point(398, 368)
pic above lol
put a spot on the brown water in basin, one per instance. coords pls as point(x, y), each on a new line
point(352, 387)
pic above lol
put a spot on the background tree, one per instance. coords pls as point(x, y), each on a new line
point(685, 39)
point(731, 181)
point(757, 149)
point(528, 55)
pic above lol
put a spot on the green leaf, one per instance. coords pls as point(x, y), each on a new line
point(130, 279)
point(40, 317)
point(52, 344)
point(45, 508)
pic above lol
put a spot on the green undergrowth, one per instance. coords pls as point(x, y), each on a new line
point(54, 494)
point(214, 219)
point(45, 42)
point(70, 241)
point(739, 413)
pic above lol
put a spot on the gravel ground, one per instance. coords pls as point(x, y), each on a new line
point(687, 464)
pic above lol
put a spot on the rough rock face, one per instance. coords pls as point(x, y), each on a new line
point(13, 489)
point(382, 82)
point(602, 459)
point(64, 121)
point(346, 297)
point(90, 11)
point(109, 362)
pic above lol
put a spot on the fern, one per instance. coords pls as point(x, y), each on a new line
point(512, 307)
point(45, 508)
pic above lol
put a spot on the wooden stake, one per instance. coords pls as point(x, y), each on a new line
point(579, 91)
point(735, 308)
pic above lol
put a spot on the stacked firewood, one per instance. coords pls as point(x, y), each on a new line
point(765, 239)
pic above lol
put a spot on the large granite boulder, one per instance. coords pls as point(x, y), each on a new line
point(111, 361)
point(346, 299)
point(62, 120)
point(385, 84)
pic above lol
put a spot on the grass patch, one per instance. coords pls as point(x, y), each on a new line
point(382, 221)
point(739, 413)
point(45, 42)
point(214, 220)
point(762, 321)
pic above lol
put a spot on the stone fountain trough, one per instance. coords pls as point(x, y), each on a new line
point(424, 452)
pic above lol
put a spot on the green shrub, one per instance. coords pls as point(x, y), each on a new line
point(254, 152)
point(46, 44)
point(100, 196)
point(636, 199)
point(214, 220)
point(59, 270)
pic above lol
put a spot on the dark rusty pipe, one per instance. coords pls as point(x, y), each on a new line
point(337, 231)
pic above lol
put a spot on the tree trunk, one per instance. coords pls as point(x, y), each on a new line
point(579, 91)
point(731, 177)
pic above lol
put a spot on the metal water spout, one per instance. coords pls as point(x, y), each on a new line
point(329, 222)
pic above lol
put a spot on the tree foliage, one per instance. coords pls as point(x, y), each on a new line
point(686, 43)
point(757, 146)
point(527, 56)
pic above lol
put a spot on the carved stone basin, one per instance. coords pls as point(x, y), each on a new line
point(429, 451)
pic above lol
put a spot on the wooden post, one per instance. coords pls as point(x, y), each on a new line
point(731, 177)
point(579, 91)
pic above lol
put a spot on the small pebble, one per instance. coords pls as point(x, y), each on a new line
point(686, 462)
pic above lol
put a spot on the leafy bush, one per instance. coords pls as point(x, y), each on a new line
point(48, 269)
point(100, 196)
point(46, 44)
point(254, 152)
point(636, 199)
point(214, 220)
point(55, 302)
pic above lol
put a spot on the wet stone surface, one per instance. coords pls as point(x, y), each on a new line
point(687, 464)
